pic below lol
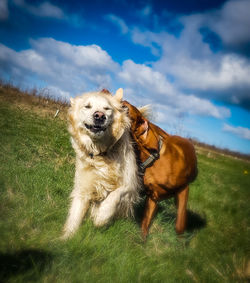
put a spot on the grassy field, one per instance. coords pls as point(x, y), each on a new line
point(36, 177)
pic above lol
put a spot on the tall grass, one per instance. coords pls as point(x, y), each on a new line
point(36, 177)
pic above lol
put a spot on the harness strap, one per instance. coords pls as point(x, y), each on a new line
point(152, 157)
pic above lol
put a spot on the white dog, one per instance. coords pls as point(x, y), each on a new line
point(106, 177)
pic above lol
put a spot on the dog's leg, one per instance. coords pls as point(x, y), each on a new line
point(78, 209)
point(181, 203)
point(108, 207)
point(126, 194)
point(149, 213)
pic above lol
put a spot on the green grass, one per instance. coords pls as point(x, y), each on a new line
point(36, 177)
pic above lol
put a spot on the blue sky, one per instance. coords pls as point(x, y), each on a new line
point(189, 59)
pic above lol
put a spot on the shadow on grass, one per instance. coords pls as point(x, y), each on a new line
point(139, 210)
point(194, 220)
point(29, 261)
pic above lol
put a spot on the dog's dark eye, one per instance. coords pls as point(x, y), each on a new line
point(107, 108)
point(88, 106)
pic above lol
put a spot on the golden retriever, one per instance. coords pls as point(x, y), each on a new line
point(106, 177)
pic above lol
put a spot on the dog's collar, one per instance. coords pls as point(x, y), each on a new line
point(152, 157)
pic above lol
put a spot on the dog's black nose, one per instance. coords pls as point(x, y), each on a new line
point(99, 117)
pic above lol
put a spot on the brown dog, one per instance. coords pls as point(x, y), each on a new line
point(169, 164)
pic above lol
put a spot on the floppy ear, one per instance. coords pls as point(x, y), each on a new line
point(142, 130)
point(119, 94)
point(72, 101)
point(147, 137)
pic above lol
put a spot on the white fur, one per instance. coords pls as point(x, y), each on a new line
point(108, 183)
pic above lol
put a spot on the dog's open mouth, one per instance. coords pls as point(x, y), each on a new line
point(95, 128)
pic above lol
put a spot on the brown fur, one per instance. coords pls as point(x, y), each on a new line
point(169, 175)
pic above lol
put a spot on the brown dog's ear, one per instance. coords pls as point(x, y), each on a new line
point(142, 129)
point(125, 107)
point(146, 136)
point(105, 91)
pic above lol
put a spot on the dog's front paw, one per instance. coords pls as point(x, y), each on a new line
point(100, 221)
point(67, 234)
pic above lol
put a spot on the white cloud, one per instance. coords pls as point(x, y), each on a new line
point(239, 131)
point(148, 39)
point(73, 69)
point(4, 11)
point(118, 22)
point(154, 88)
point(232, 22)
point(67, 67)
point(140, 75)
point(230, 71)
point(91, 56)
point(192, 64)
point(44, 9)
point(53, 91)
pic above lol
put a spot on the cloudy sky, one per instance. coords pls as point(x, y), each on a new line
point(189, 59)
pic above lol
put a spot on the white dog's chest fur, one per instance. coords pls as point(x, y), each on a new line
point(104, 175)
